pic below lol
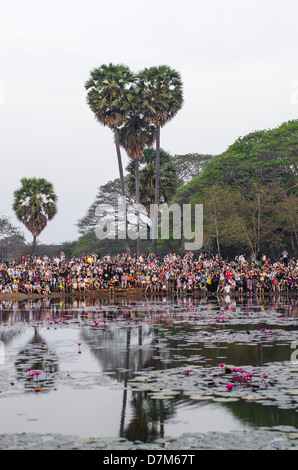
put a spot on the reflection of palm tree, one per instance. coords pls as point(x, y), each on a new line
point(140, 331)
point(37, 357)
point(148, 413)
point(142, 426)
point(124, 400)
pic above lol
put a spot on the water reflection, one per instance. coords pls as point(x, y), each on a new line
point(156, 333)
point(34, 358)
point(149, 417)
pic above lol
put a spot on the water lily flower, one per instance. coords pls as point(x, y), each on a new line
point(229, 386)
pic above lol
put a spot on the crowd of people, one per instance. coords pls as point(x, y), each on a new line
point(172, 273)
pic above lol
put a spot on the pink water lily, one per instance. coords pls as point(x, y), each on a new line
point(229, 386)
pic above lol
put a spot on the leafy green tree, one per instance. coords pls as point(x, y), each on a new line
point(286, 216)
point(7, 229)
point(268, 156)
point(110, 97)
point(259, 172)
point(252, 217)
point(216, 206)
point(160, 91)
point(108, 193)
point(190, 165)
point(35, 203)
point(11, 239)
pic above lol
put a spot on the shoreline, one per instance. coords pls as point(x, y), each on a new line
point(135, 293)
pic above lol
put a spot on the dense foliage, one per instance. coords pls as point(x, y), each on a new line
point(249, 194)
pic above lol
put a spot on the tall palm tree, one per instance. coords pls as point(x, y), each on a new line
point(34, 205)
point(110, 94)
point(134, 136)
point(168, 178)
point(161, 94)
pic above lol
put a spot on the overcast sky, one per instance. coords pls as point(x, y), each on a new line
point(237, 59)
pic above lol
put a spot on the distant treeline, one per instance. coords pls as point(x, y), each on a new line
point(249, 197)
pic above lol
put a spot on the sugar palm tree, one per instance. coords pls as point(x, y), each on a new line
point(110, 94)
point(134, 136)
point(35, 204)
point(160, 91)
point(168, 178)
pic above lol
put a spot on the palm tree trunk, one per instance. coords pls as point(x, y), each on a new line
point(155, 221)
point(123, 192)
point(138, 202)
point(33, 245)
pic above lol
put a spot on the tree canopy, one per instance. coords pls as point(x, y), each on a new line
point(35, 204)
point(249, 193)
point(268, 156)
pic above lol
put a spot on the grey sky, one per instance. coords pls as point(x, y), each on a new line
point(237, 59)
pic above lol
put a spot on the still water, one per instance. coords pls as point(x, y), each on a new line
point(88, 352)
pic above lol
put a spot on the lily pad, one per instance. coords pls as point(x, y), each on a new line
point(161, 396)
point(201, 397)
point(225, 400)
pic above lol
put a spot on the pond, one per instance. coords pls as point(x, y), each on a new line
point(148, 369)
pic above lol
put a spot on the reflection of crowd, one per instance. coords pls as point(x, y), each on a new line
point(171, 274)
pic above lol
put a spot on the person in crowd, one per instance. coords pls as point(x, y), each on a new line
point(173, 274)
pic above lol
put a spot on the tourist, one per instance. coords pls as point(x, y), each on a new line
point(172, 274)
point(285, 257)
